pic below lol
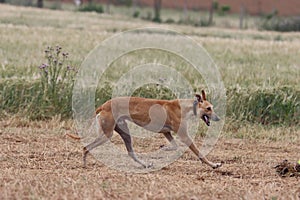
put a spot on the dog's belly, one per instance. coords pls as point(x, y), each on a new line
point(166, 129)
point(154, 127)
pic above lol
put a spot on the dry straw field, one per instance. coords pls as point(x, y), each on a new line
point(261, 71)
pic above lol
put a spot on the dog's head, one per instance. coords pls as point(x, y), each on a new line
point(206, 111)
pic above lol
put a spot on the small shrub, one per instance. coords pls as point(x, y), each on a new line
point(170, 21)
point(91, 8)
point(215, 5)
point(224, 10)
point(156, 19)
point(136, 14)
point(281, 24)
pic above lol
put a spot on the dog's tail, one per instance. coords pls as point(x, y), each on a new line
point(97, 122)
point(75, 137)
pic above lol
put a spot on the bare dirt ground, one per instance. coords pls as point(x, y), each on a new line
point(38, 162)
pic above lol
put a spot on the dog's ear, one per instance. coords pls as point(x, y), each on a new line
point(203, 95)
point(198, 98)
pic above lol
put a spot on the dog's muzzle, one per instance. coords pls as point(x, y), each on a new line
point(206, 119)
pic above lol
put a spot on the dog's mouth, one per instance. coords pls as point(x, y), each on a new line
point(205, 118)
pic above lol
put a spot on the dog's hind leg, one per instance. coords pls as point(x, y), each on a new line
point(122, 128)
point(170, 138)
point(98, 141)
point(105, 133)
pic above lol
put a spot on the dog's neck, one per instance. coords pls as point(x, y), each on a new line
point(189, 108)
point(195, 105)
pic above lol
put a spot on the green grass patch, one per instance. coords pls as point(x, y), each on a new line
point(267, 106)
point(28, 99)
point(273, 106)
point(91, 8)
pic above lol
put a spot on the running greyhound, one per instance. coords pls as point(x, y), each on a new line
point(161, 116)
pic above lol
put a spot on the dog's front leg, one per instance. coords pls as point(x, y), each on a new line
point(184, 137)
point(203, 158)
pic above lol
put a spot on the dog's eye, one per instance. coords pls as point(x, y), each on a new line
point(208, 108)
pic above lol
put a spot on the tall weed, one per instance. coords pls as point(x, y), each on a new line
point(45, 97)
point(56, 81)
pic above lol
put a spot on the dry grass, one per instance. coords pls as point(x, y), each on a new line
point(38, 162)
point(26, 32)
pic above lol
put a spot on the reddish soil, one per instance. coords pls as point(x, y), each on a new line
point(38, 162)
point(254, 7)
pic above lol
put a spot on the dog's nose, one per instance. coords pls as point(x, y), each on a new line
point(215, 117)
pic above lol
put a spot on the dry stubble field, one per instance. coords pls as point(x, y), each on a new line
point(38, 162)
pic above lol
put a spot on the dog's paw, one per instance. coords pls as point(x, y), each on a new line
point(216, 165)
point(149, 165)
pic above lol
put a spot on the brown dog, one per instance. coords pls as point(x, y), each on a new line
point(161, 116)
